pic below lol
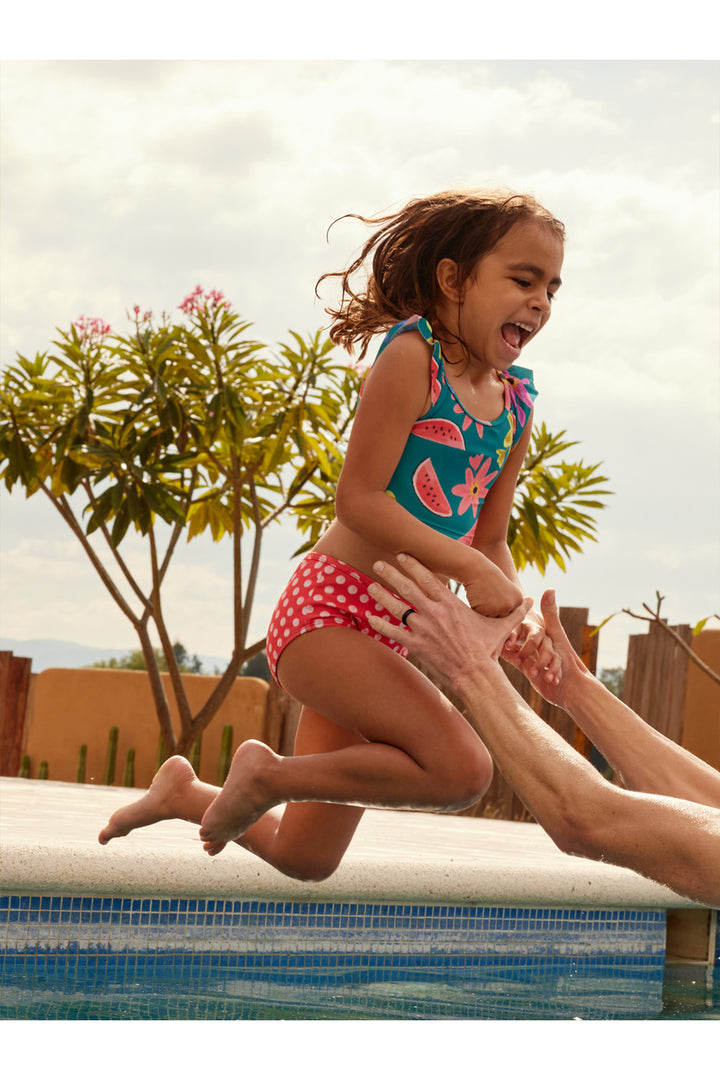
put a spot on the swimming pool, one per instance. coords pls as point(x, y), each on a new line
point(429, 918)
point(81, 958)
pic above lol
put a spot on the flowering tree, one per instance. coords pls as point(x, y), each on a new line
point(196, 425)
point(191, 423)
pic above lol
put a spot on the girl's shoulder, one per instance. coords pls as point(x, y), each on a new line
point(520, 394)
point(414, 323)
point(520, 380)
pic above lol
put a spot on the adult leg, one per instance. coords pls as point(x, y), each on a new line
point(415, 750)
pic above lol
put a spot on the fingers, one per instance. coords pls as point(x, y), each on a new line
point(394, 604)
point(513, 620)
point(401, 634)
point(551, 615)
point(415, 581)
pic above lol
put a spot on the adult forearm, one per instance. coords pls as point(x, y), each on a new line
point(644, 759)
point(541, 767)
point(671, 840)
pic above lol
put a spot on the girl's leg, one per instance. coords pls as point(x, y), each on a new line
point(415, 750)
point(306, 840)
point(175, 792)
point(308, 843)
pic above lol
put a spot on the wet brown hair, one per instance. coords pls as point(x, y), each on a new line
point(408, 245)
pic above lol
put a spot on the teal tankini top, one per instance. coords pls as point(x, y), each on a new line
point(452, 459)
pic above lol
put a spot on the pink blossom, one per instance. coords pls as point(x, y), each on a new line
point(198, 302)
point(91, 328)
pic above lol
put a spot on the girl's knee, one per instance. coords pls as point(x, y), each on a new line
point(471, 777)
point(309, 867)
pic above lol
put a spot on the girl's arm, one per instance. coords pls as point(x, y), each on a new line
point(532, 643)
point(396, 393)
point(490, 537)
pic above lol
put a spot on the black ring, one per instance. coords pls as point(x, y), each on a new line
point(410, 611)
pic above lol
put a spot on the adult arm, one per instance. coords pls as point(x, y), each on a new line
point(673, 841)
point(644, 759)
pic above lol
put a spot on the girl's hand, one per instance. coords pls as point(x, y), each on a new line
point(530, 649)
point(494, 596)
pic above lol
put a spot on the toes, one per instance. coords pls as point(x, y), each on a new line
point(213, 847)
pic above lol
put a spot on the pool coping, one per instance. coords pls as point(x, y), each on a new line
point(48, 845)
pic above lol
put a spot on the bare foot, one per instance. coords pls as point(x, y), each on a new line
point(243, 799)
point(166, 798)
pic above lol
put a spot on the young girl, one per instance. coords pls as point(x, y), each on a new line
point(462, 281)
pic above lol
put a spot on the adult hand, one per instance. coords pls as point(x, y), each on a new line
point(572, 666)
point(442, 631)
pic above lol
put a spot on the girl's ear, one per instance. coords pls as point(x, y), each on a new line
point(446, 273)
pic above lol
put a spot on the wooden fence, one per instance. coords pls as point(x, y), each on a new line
point(14, 689)
point(656, 678)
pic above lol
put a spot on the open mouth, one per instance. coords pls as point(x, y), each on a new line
point(516, 334)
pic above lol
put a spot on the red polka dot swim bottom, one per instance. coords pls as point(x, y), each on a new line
point(324, 592)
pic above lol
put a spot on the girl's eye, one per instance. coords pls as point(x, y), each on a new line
point(528, 285)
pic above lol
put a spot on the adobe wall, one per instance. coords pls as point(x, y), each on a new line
point(72, 706)
point(701, 714)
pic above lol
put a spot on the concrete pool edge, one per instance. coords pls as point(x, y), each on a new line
point(48, 845)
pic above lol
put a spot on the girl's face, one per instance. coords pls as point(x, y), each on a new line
point(507, 301)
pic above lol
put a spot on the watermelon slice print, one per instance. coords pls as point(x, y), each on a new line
point(440, 431)
point(427, 488)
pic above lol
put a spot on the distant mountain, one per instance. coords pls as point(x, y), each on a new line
point(48, 653)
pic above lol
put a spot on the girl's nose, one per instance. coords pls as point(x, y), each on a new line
point(541, 301)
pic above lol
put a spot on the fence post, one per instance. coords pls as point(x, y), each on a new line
point(14, 686)
point(656, 677)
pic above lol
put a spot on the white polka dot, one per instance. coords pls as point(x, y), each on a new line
point(340, 579)
point(340, 599)
point(364, 598)
point(352, 589)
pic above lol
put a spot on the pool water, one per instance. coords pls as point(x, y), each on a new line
point(114, 958)
point(173, 986)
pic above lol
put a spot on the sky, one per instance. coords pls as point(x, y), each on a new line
point(132, 180)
